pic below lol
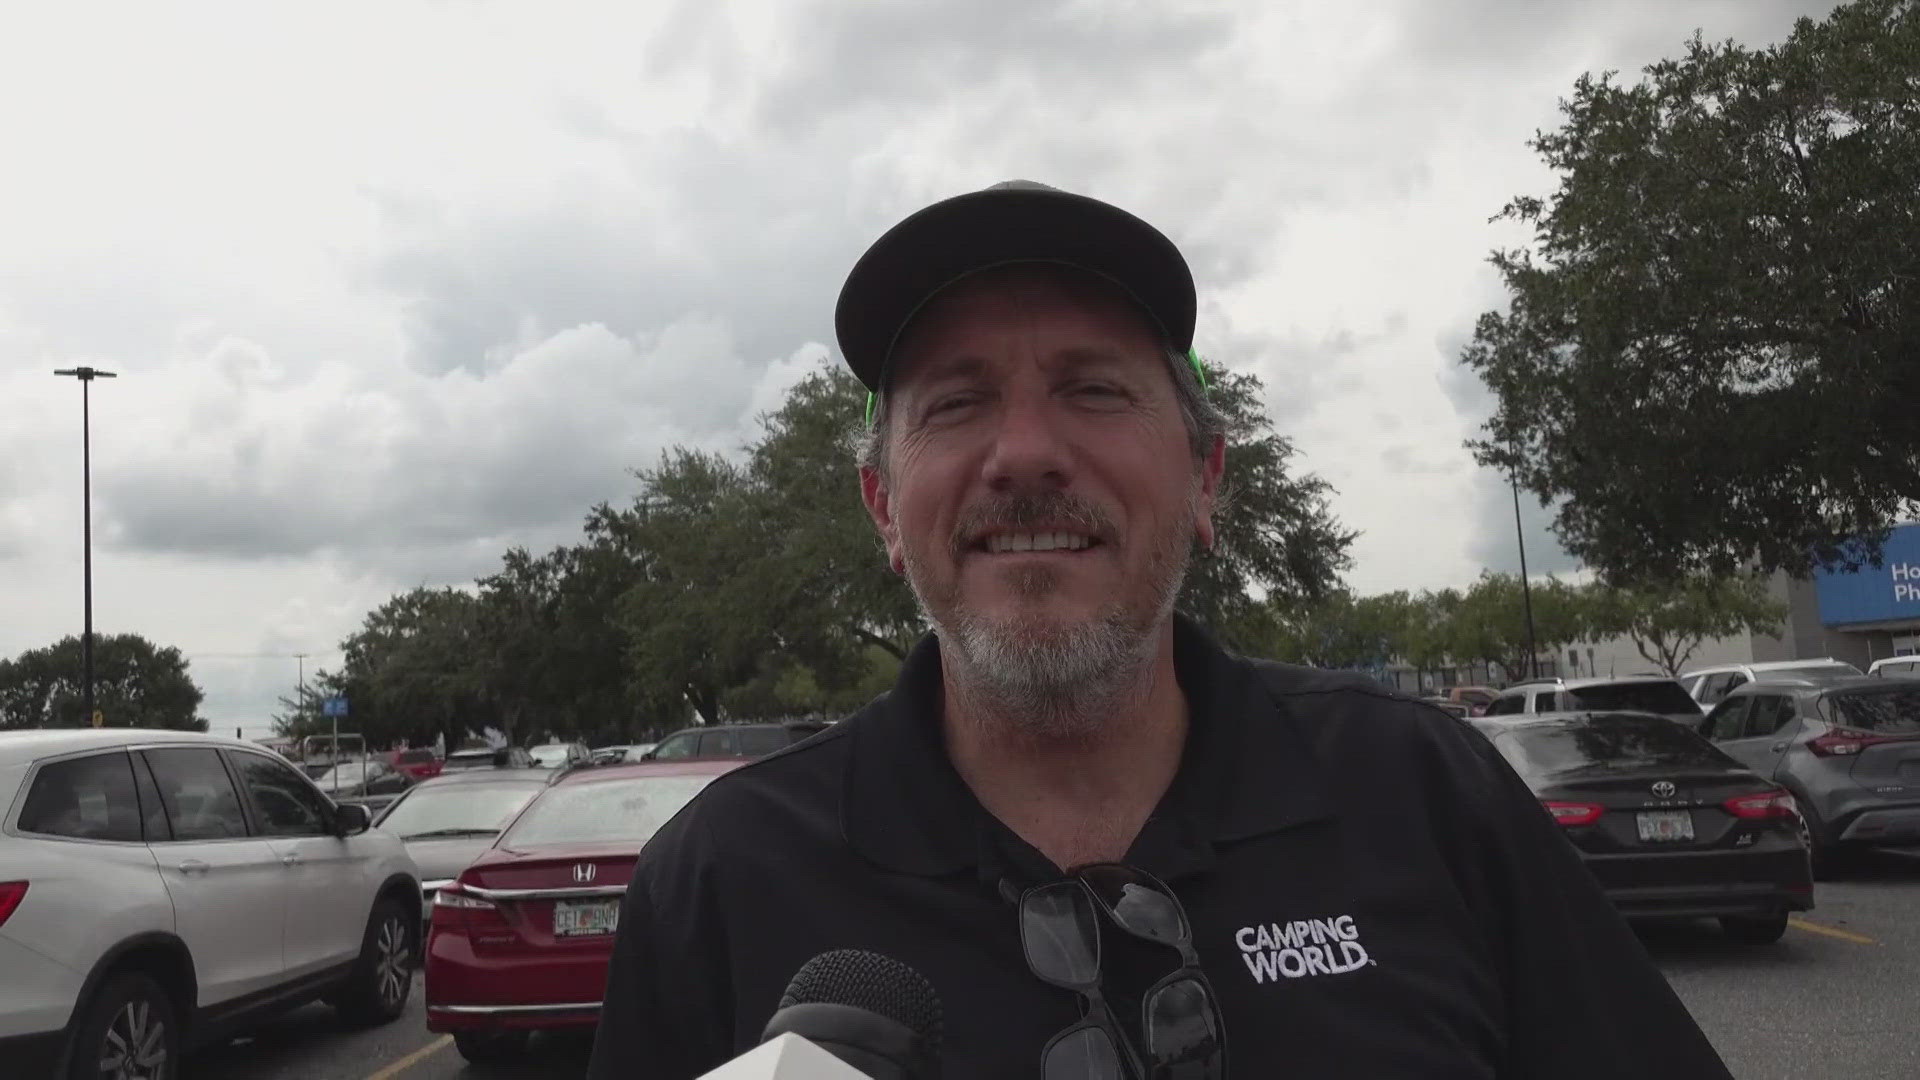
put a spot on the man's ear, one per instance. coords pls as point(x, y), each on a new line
point(873, 492)
point(1212, 467)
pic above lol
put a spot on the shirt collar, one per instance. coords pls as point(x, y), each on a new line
point(1248, 769)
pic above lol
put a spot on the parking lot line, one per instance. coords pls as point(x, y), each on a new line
point(415, 1058)
point(1831, 931)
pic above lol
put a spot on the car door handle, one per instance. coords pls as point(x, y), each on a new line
point(1779, 747)
point(193, 866)
point(291, 858)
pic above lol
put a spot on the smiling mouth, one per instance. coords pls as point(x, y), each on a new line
point(1031, 542)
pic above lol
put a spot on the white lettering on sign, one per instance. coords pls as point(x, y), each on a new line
point(1302, 948)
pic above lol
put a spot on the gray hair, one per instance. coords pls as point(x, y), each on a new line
point(1204, 421)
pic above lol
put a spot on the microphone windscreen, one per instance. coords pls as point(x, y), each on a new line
point(868, 980)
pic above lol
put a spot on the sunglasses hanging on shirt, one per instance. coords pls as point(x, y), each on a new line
point(1180, 1016)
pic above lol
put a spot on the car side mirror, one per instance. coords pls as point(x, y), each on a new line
point(649, 755)
point(351, 819)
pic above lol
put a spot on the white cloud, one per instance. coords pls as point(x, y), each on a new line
point(393, 287)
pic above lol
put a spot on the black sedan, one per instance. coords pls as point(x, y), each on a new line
point(1670, 826)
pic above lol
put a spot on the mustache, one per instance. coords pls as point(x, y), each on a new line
point(1027, 510)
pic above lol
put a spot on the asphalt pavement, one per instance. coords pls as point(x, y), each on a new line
point(1836, 998)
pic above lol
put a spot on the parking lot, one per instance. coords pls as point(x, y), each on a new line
point(1834, 999)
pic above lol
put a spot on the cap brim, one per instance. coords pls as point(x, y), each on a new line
point(968, 233)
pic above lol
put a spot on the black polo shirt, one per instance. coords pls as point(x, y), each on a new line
point(1374, 894)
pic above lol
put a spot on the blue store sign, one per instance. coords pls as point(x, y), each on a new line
point(1887, 593)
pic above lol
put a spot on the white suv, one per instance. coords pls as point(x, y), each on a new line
point(1631, 693)
point(1905, 667)
point(1710, 685)
point(159, 890)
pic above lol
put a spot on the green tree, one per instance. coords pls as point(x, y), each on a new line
point(135, 684)
point(1278, 546)
point(1667, 623)
point(1425, 634)
point(553, 655)
point(1488, 622)
point(1342, 630)
point(1724, 283)
point(829, 565)
point(705, 613)
point(416, 669)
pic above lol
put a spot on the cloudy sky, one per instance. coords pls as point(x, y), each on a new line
point(393, 287)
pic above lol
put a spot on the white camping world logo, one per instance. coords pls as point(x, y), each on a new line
point(1294, 950)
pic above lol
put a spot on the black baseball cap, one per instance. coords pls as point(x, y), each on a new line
point(1014, 221)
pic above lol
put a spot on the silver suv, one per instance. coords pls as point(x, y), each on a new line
point(161, 889)
point(1632, 693)
point(1710, 685)
point(1849, 752)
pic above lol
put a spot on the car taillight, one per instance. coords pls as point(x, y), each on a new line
point(1841, 741)
point(1574, 813)
point(1766, 804)
point(454, 909)
point(11, 893)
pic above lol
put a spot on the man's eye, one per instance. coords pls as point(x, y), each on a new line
point(1098, 390)
point(952, 402)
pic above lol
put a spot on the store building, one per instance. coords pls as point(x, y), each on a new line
point(1858, 616)
point(1868, 614)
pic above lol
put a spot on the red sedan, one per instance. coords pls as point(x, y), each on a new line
point(417, 764)
point(520, 940)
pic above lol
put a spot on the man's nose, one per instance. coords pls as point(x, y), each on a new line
point(1029, 447)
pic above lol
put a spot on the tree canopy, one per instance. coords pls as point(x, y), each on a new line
point(1712, 346)
point(1486, 623)
point(135, 684)
point(1667, 624)
point(754, 585)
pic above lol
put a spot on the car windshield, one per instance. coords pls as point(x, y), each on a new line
point(603, 810)
point(1606, 742)
point(1664, 697)
point(1883, 712)
point(459, 809)
point(470, 759)
point(415, 757)
point(549, 755)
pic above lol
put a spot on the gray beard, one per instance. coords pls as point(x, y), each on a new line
point(1032, 680)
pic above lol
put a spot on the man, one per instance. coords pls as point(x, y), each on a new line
point(1368, 890)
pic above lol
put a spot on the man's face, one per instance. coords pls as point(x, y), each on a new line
point(1041, 488)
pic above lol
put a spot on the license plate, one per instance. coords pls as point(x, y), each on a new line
point(1664, 826)
point(585, 918)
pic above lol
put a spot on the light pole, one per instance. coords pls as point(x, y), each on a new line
point(86, 375)
point(1526, 589)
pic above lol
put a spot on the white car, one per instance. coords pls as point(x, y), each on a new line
point(1710, 685)
point(160, 890)
point(1905, 667)
point(560, 755)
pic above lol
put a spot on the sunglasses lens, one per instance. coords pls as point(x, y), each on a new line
point(1083, 1054)
point(1183, 1029)
point(1139, 904)
point(1061, 937)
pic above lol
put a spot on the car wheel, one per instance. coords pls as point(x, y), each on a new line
point(490, 1047)
point(382, 979)
point(129, 1033)
point(1829, 859)
point(1754, 929)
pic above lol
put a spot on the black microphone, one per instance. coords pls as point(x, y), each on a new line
point(871, 1011)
